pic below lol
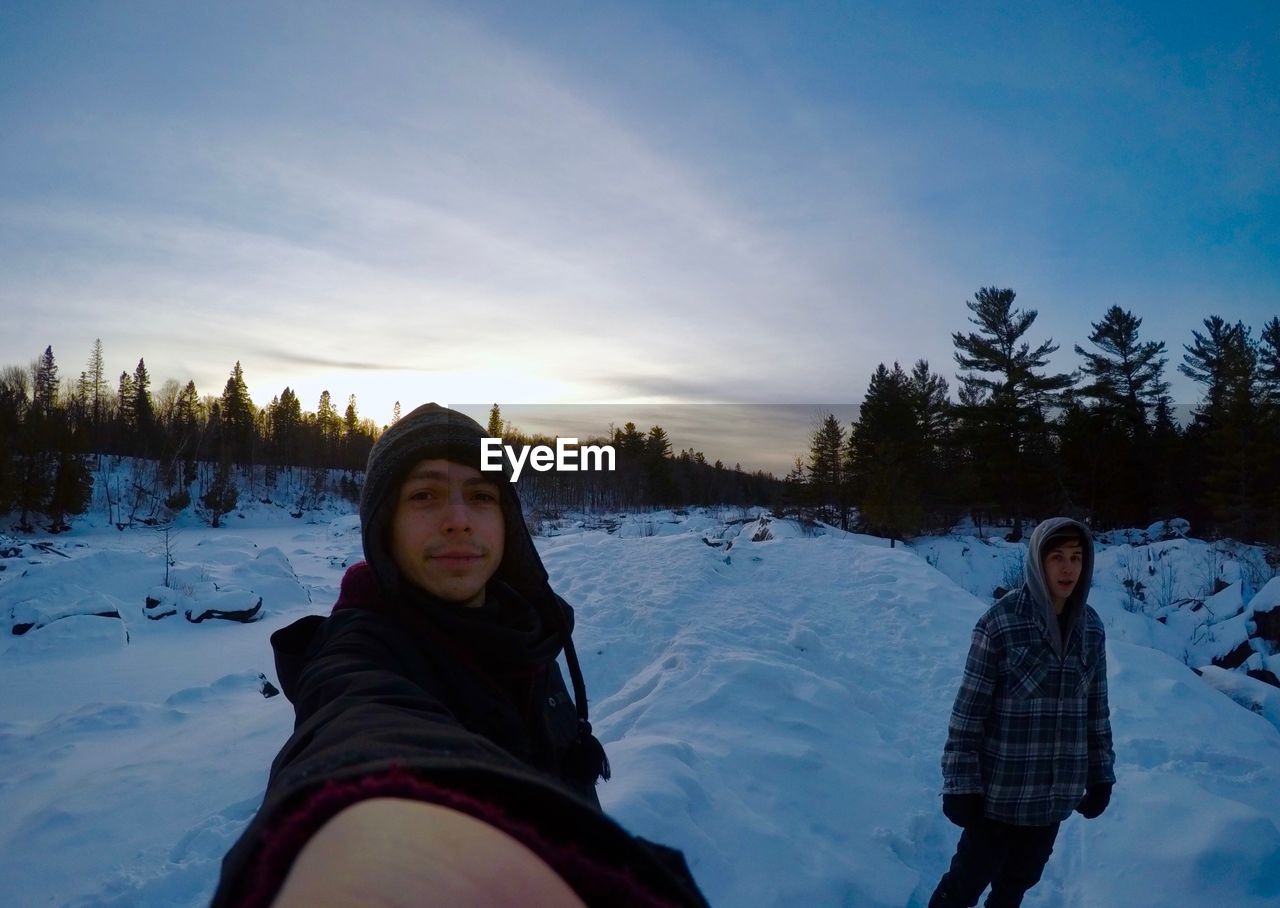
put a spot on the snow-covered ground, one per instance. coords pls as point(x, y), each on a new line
point(775, 707)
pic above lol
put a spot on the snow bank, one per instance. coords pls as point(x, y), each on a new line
point(775, 705)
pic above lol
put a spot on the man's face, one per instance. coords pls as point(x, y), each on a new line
point(1062, 566)
point(447, 530)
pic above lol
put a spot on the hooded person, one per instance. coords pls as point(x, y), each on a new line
point(433, 683)
point(1029, 740)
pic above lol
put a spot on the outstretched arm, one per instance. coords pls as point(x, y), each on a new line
point(388, 852)
point(370, 729)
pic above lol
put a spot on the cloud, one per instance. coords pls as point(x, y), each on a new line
point(280, 355)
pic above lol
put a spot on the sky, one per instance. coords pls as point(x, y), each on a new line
point(622, 203)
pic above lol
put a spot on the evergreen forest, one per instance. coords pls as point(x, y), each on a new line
point(1014, 444)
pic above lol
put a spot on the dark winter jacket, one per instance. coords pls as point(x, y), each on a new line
point(381, 712)
point(398, 694)
point(492, 669)
point(1030, 728)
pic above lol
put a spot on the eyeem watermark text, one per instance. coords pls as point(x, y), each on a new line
point(565, 456)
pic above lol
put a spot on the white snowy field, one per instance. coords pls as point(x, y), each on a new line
point(776, 710)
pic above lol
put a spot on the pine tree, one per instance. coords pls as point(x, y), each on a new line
point(286, 427)
point(1214, 359)
point(91, 397)
point(1110, 441)
point(657, 466)
point(185, 428)
point(1269, 362)
point(1167, 463)
point(1126, 376)
point(827, 484)
point(72, 485)
point(357, 439)
point(44, 383)
point(41, 471)
point(630, 440)
point(238, 417)
point(1224, 432)
point(1269, 416)
point(940, 458)
point(997, 349)
point(144, 415)
point(351, 418)
point(95, 384)
point(330, 427)
point(494, 429)
point(15, 404)
point(793, 498)
point(395, 413)
point(885, 455)
point(125, 400)
point(1008, 395)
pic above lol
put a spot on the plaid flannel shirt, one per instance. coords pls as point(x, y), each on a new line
point(1029, 730)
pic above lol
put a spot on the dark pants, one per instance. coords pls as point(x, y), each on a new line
point(1008, 858)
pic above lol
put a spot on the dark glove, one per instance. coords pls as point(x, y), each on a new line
point(962, 809)
point(1095, 800)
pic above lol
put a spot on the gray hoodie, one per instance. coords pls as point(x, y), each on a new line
point(1038, 586)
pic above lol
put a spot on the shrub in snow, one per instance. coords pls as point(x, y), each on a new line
point(1014, 573)
point(221, 496)
point(1135, 588)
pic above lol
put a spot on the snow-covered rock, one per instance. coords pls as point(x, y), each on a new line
point(162, 602)
point(1173, 528)
point(228, 605)
point(1224, 604)
point(10, 547)
point(1264, 610)
point(1251, 693)
point(202, 603)
point(50, 603)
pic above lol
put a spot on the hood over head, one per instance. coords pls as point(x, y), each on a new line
point(1045, 536)
point(432, 431)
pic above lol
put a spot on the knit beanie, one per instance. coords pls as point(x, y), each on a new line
point(432, 431)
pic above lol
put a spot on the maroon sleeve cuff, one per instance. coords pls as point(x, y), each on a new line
point(594, 880)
